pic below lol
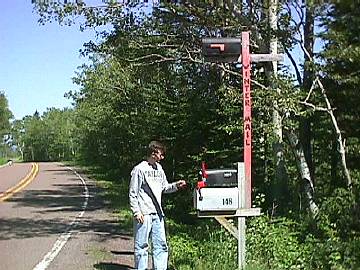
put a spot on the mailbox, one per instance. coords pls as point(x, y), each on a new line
point(221, 49)
point(217, 190)
point(216, 199)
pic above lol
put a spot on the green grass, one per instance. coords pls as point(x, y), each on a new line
point(3, 161)
point(100, 254)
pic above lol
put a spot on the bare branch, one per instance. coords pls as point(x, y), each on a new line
point(191, 58)
point(338, 133)
point(330, 111)
point(153, 55)
point(293, 62)
point(310, 91)
point(314, 107)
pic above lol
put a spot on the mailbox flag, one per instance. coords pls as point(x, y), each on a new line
point(221, 49)
point(203, 170)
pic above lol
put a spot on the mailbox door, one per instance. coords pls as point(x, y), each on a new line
point(217, 199)
point(221, 178)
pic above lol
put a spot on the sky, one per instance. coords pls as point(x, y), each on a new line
point(37, 62)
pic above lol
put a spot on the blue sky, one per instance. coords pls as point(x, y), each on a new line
point(37, 62)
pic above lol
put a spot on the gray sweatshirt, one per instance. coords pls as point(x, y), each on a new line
point(146, 187)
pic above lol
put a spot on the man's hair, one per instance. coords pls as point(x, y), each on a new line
point(156, 146)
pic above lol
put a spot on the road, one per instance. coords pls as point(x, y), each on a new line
point(53, 218)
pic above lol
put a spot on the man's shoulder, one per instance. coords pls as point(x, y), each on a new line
point(159, 167)
point(140, 166)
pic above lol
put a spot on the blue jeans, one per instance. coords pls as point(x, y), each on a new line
point(156, 228)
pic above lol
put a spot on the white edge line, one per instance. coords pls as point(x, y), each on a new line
point(65, 236)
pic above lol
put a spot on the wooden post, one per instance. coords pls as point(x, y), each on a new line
point(241, 220)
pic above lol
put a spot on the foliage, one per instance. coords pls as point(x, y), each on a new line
point(5, 126)
point(275, 243)
point(46, 137)
point(3, 161)
point(335, 234)
point(341, 71)
point(210, 248)
point(5, 115)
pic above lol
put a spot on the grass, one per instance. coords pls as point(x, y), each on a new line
point(99, 254)
point(3, 161)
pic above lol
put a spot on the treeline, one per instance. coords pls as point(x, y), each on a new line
point(147, 80)
point(47, 137)
point(5, 127)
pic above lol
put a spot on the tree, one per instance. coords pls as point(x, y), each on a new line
point(60, 128)
point(340, 55)
point(17, 136)
point(5, 117)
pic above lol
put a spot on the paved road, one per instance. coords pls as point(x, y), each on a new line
point(10, 175)
point(58, 221)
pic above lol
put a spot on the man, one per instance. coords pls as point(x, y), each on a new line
point(148, 182)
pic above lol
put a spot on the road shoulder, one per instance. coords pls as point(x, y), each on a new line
point(100, 240)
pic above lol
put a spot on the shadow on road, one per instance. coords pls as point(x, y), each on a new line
point(122, 252)
point(64, 197)
point(20, 228)
point(51, 211)
point(112, 266)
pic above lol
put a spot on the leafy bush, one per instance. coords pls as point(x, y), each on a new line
point(201, 246)
point(333, 253)
point(218, 252)
point(274, 243)
point(335, 242)
point(2, 161)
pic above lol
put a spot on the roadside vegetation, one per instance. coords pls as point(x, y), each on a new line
point(3, 161)
point(147, 80)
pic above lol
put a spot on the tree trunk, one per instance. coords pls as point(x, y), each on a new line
point(304, 171)
point(308, 77)
point(280, 184)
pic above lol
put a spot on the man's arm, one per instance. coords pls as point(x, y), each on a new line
point(135, 184)
point(172, 187)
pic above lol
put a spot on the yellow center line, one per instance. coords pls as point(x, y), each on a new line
point(22, 184)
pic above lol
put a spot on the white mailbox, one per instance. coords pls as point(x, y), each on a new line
point(216, 199)
point(217, 190)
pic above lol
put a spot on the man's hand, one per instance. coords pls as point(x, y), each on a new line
point(140, 218)
point(181, 184)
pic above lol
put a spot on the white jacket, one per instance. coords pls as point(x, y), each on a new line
point(147, 184)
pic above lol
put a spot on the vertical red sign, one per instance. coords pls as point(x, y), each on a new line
point(246, 69)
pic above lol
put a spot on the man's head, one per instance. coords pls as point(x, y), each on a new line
point(156, 150)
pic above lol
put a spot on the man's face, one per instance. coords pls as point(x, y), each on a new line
point(158, 155)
